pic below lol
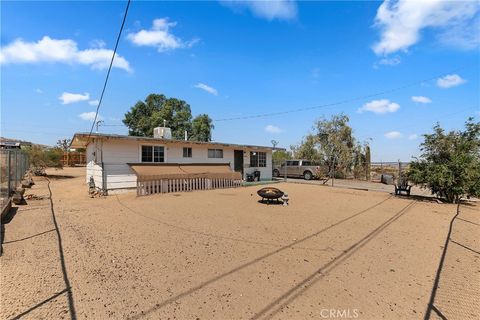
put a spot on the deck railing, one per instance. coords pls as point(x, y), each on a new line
point(147, 187)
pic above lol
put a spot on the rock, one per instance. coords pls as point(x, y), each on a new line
point(17, 198)
point(21, 191)
point(27, 183)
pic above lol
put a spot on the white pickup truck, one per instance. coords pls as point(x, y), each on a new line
point(305, 169)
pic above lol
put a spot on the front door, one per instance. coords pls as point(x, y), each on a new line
point(238, 161)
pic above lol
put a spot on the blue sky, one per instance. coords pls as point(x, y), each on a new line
point(237, 59)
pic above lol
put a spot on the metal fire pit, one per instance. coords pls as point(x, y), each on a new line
point(270, 194)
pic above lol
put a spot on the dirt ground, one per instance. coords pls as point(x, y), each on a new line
point(332, 253)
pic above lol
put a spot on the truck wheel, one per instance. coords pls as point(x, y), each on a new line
point(276, 173)
point(307, 175)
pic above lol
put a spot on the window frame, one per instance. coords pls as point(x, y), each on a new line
point(189, 153)
point(259, 159)
point(216, 152)
point(152, 146)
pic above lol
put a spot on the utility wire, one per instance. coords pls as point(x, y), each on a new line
point(264, 115)
point(109, 69)
point(420, 123)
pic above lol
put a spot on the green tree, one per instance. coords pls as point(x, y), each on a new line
point(449, 164)
point(333, 145)
point(308, 148)
point(336, 143)
point(202, 127)
point(151, 113)
point(279, 156)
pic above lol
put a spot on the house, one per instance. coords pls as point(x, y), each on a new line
point(119, 161)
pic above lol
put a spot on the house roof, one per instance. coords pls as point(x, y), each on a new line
point(82, 139)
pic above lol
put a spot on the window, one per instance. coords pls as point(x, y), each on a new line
point(147, 155)
point(306, 163)
point(292, 163)
point(215, 153)
point(258, 159)
point(153, 154)
point(187, 152)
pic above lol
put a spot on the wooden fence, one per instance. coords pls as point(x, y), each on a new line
point(72, 159)
point(184, 184)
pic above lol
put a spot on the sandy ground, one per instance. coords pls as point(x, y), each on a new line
point(357, 184)
point(222, 255)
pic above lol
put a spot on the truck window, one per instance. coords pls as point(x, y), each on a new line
point(306, 163)
point(293, 163)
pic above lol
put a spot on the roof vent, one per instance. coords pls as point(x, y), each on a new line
point(162, 133)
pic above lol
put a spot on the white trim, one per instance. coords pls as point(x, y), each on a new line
point(140, 145)
point(191, 152)
point(208, 149)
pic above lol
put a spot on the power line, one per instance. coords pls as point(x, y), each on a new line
point(333, 104)
point(109, 69)
point(418, 124)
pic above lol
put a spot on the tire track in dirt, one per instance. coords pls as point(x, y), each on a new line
point(68, 288)
point(256, 260)
point(278, 304)
point(270, 244)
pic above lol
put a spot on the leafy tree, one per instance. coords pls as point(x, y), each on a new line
point(333, 145)
point(64, 144)
point(151, 113)
point(336, 142)
point(157, 109)
point(279, 156)
point(449, 164)
point(202, 127)
point(308, 148)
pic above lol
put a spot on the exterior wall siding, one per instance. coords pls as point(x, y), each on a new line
point(115, 154)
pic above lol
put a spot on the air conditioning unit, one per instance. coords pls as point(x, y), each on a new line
point(162, 133)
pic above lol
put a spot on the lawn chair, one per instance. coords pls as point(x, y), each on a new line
point(402, 186)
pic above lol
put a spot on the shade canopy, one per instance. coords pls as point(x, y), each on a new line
point(183, 171)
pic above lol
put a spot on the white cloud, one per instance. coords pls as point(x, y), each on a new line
point(206, 88)
point(63, 51)
point(38, 90)
point(160, 37)
point(393, 135)
point(463, 35)
point(272, 129)
point(93, 102)
point(97, 43)
point(393, 61)
point(89, 116)
point(413, 136)
point(270, 10)
point(68, 97)
point(421, 99)
point(402, 21)
point(451, 80)
point(379, 106)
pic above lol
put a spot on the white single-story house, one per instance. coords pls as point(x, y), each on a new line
point(111, 158)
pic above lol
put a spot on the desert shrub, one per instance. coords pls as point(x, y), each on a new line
point(41, 158)
point(450, 163)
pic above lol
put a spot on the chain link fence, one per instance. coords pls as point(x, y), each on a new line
point(13, 164)
point(387, 172)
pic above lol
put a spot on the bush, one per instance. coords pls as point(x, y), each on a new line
point(41, 158)
point(450, 163)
